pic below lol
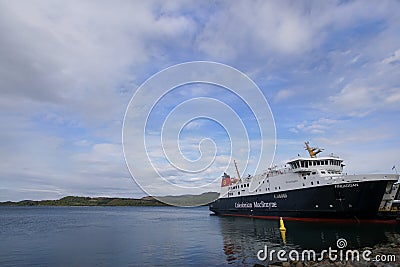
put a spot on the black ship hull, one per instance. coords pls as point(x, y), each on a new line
point(351, 201)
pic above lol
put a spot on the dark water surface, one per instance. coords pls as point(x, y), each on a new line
point(159, 236)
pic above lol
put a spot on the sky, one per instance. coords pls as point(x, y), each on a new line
point(328, 70)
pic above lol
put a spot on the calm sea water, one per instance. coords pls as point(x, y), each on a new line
point(158, 236)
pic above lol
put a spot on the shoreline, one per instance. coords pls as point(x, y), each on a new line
point(70, 201)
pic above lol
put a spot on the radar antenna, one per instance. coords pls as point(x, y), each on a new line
point(313, 151)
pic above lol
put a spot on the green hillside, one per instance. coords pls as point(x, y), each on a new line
point(185, 200)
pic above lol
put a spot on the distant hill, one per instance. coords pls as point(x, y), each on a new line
point(185, 200)
point(190, 200)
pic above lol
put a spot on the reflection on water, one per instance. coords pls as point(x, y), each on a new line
point(244, 237)
point(158, 236)
point(306, 235)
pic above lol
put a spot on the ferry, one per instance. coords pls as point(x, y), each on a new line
point(310, 188)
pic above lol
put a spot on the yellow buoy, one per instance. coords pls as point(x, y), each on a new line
point(282, 229)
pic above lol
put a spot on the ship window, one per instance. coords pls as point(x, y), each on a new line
point(326, 162)
point(314, 173)
point(317, 182)
point(312, 183)
point(304, 185)
point(304, 177)
point(302, 164)
point(238, 193)
point(279, 187)
point(323, 172)
point(247, 185)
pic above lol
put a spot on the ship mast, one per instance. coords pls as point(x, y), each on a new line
point(237, 170)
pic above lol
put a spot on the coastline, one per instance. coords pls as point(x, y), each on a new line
point(185, 200)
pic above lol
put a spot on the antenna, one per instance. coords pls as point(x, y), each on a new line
point(313, 151)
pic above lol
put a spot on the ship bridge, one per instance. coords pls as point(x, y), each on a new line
point(324, 165)
point(330, 164)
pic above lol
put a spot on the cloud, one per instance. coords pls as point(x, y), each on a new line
point(66, 53)
point(359, 100)
point(393, 59)
point(264, 26)
point(283, 94)
point(320, 126)
point(69, 69)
